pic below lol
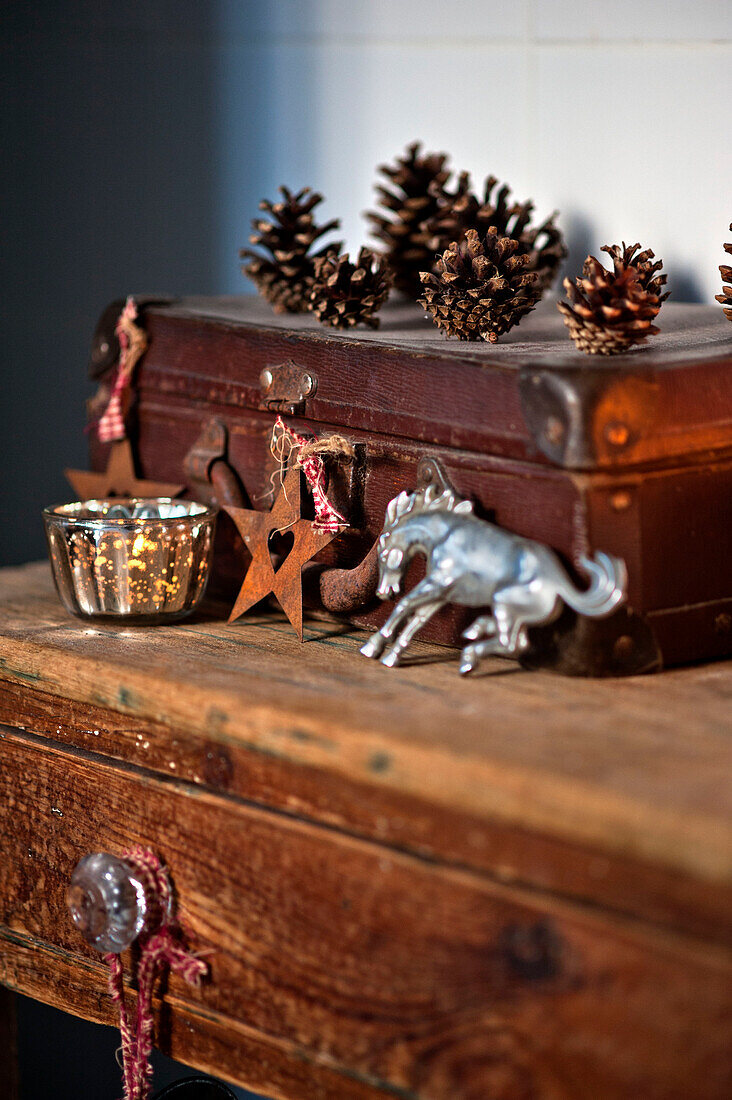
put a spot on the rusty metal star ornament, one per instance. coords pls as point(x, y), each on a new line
point(285, 582)
point(119, 479)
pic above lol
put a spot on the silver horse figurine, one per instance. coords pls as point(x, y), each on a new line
point(477, 564)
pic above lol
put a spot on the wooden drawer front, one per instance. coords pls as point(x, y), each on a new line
point(382, 974)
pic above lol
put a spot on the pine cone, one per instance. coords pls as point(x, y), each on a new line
point(346, 294)
point(416, 182)
point(547, 249)
point(462, 210)
point(624, 256)
point(725, 298)
point(481, 288)
point(609, 311)
point(285, 277)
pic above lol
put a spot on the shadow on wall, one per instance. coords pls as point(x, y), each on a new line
point(583, 240)
point(580, 236)
point(139, 152)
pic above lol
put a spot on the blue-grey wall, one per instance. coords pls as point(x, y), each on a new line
point(135, 142)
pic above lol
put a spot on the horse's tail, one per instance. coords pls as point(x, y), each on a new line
point(607, 590)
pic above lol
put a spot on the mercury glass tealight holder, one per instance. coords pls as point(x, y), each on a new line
point(137, 560)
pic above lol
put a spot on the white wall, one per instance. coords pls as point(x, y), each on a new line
point(618, 113)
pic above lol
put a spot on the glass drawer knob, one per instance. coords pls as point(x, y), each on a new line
point(106, 900)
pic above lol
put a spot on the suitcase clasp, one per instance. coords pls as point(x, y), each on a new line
point(286, 387)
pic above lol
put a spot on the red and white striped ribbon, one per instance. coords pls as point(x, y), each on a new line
point(327, 518)
point(132, 343)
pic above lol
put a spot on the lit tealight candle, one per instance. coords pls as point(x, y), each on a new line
point(146, 560)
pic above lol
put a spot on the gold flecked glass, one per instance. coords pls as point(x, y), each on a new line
point(143, 560)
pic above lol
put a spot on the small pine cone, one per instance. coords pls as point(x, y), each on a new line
point(480, 288)
point(408, 201)
point(285, 276)
point(725, 298)
point(625, 256)
point(345, 294)
point(462, 210)
point(609, 311)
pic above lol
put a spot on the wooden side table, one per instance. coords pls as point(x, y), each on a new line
point(411, 885)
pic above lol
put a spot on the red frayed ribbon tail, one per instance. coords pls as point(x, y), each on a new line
point(159, 950)
point(132, 343)
point(327, 517)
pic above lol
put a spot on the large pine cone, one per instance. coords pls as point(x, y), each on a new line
point(609, 311)
point(345, 294)
point(411, 198)
point(480, 288)
point(725, 298)
point(462, 210)
point(285, 276)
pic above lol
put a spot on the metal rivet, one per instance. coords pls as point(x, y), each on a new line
point(306, 384)
point(620, 501)
point(266, 379)
point(617, 434)
point(623, 647)
point(723, 623)
point(554, 430)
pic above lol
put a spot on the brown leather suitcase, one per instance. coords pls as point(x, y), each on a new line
point(631, 454)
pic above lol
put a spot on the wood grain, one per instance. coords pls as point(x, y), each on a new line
point(193, 1035)
point(604, 775)
point(395, 972)
point(630, 743)
point(507, 852)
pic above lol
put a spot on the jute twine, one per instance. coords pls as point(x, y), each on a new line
point(308, 455)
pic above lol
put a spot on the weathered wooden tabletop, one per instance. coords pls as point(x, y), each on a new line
point(610, 797)
point(635, 768)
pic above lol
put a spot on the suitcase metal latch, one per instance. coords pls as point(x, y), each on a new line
point(209, 475)
point(286, 387)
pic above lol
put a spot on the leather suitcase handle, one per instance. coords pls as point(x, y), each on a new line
point(226, 485)
point(343, 590)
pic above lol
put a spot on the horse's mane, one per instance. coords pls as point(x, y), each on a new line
point(431, 499)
